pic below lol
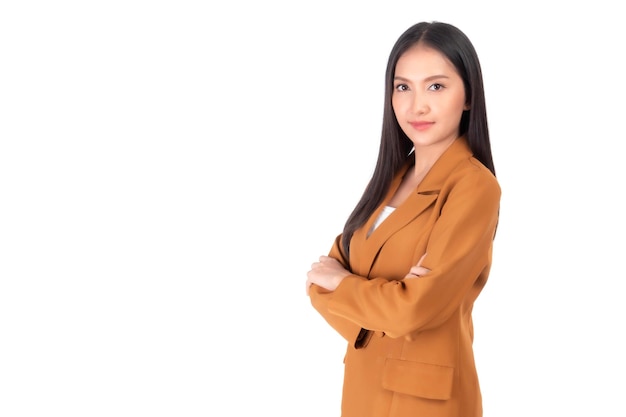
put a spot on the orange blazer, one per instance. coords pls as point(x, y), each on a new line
point(409, 341)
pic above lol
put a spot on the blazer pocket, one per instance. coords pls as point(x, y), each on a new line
point(419, 379)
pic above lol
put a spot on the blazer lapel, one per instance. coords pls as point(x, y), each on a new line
point(364, 249)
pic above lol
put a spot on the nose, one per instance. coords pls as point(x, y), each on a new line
point(419, 104)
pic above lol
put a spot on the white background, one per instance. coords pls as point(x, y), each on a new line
point(170, 170)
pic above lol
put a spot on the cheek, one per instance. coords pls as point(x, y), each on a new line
point(454, 107)
point(461, 102)
point(396, 105)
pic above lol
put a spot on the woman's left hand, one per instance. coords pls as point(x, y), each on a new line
point(327, 273)
point(418, 270)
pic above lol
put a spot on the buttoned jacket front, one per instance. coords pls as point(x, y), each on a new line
point(410, 340)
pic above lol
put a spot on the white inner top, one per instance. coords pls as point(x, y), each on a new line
point(387, 210)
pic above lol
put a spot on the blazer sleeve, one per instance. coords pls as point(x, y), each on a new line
point(320, 297)
point(458, 254)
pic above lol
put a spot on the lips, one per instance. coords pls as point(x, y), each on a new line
point(421, 125)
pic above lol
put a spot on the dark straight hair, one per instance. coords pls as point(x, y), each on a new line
point(395, 146)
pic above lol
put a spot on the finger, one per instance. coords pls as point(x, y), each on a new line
point(416, 270)
point(326, 258)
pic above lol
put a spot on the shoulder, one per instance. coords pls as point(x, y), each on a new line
point(458, 169)
point(472, 175)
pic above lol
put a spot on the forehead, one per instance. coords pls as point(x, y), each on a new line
point(422, 61)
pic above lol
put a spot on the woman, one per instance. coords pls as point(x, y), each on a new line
point(401, 279)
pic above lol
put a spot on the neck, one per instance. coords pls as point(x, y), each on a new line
point(426, 156)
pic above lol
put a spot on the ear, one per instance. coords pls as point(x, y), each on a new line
point(466, 107)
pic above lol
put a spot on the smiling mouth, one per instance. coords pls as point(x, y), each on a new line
point(421, 125)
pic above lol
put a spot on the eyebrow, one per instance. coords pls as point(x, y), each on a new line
point(432, 77)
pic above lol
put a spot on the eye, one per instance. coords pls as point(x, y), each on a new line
point(401, 87)
point(435, 87)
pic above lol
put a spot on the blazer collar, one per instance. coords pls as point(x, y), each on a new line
point(458, 151)
point(364, 249)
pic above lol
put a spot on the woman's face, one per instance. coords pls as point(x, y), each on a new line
point(428, 98)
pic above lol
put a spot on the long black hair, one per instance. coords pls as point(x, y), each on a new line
point(395, 146)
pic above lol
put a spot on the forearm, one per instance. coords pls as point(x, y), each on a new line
point(320, 298)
